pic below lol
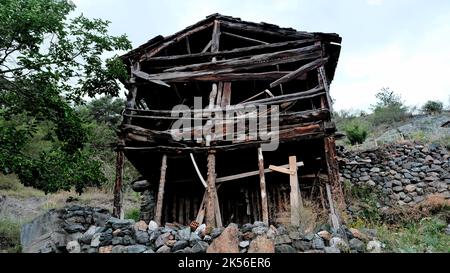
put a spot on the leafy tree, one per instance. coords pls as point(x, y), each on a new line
point(389, 107)
point(432, 107)
point(48, 63)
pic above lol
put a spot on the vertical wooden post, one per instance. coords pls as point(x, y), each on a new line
point(118, 194)
point(262, 184)
point(333, 171)
point(295, 192)
point(211, 190)
point(162, 183)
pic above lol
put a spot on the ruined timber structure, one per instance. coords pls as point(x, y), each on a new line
point(212, 178)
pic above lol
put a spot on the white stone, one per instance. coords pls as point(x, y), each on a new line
point(73, 247)
point(96, 240)
point(374, 247)
point(152, 226)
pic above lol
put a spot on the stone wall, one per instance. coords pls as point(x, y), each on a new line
point(77, 229)
point(404, 172)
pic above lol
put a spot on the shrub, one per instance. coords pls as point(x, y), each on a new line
point(433, 107)
point(9, 236)
point(356, 132)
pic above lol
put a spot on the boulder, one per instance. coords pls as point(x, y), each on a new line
point(200, 247)
point(180, 245)
point(227, 242)
point(261, 245)
point(141, 226)
point(163, 249)
point(105, 249)
point(357, 245)
point(136, 249)
point(324, 235)
point(284, 249)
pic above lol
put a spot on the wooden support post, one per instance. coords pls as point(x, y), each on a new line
point(295, 192)
point(262, 184)
point(333, 216)
point(118, 194)
point(162, 183)
point(211, 190)
point(333, 171)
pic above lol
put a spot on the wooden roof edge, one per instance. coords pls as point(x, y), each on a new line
point(159, 39)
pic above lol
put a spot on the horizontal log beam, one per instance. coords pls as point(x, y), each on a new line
point(252, 60)
point(238, 52)
point(248, 174)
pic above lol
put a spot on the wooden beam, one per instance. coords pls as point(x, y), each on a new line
point(333, 170)
point(281, 170)
point(175, 39)
point(299, 72)
point(118, 211)
point(262, 185)
point(211, 191)
point(226, 95)
point(188, 45)
point(273, 58)
point(208, 46)
point(278, 32)
point(210, 77)
point(295, 192)
point(248, 174)
point(333, 216)
point(244, 38)
point(162, 183)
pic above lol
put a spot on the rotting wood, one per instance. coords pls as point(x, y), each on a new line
point(211, 190)
point(262, 184)
point(162, 183)
point(299, 72)
point(333, 170)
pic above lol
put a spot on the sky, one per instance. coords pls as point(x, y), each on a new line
point(400, 44)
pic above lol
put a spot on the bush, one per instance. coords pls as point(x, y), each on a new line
point(9, 236)
point(432, 107)
point(356, 132)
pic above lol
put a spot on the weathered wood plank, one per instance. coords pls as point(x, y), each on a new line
point(175, 39)
point(253, 60)
point(281, 169)
point(162, 183)
point(248, 174)
point(294, 194)
point(299, 72)
point(262, 185)
point(238, 52)
point(245, 38)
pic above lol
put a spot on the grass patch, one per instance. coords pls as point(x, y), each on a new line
point(9, 236)
point(11, 186)
point(427, 235)
point(133, 213)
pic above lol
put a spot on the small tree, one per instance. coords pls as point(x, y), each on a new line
point(389, 107)
point(356, 132)
point(433, 107)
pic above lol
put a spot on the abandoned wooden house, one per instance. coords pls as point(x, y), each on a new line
point(226, 62)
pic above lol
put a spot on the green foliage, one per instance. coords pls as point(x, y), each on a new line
point(426, 235)
point(133, 214)
point(365, 199)
point(48, 62)
point(389, 108)
point(9, 235)
point(356, 132)
point(433, 107)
